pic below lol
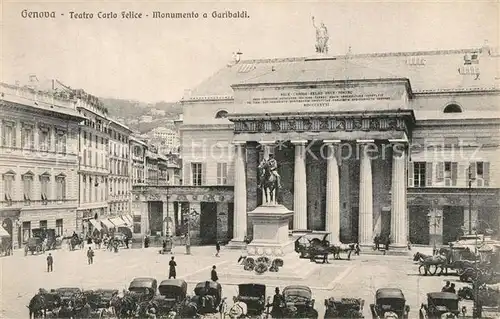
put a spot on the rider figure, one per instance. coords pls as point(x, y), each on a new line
point(272, 165)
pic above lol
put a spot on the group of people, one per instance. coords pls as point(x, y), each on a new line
point(449, 288)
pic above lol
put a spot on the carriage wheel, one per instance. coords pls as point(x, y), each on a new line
point(420, 270)
point(433, 269)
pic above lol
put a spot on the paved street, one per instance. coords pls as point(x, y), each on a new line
point(360, 277)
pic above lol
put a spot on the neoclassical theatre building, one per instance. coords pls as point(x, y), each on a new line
point(404, 143)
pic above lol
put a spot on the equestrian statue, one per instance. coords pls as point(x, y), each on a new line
point(269, 179)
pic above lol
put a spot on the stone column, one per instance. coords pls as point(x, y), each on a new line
point(168, 221)
point(332, 218)
point(300, 187)
point(399, 223)
point(240, 196)
point(365, 231)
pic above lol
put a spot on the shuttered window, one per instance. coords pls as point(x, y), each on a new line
point(419, 177)
point(197, 174)
point(221, 173)
point(428, 174)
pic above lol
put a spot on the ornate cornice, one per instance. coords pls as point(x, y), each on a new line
point(324, 122)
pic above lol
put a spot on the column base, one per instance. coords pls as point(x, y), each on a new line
point(236, 244)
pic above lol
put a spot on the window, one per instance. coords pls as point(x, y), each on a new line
point(44, 186)
point(221, 173)
point(61, 141)
point(90, 157)
point(221, 114)
point(27, 136)
point(44, 138)
point(479, 169)
point(447, 169)
point(61, 187)
point(419, 174)
point(43, 224)
point(196, 169)
point(26, 231)
point(9, 134)
point(452, 108)
point(8, 181)
point(84, 188)
point(59, 227)
point(85, 138)
point(28, 186)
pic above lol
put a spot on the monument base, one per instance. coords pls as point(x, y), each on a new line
point(270, 231)
point(236, 244)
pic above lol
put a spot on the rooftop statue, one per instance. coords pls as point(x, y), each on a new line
point(321, 37)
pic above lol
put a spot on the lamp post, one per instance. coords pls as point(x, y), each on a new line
point(434, 220)
point(192, 213)
point(470, 179)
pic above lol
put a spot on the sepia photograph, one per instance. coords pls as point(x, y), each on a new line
point(239, 159)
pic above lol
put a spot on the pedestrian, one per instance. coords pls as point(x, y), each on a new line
point(357, 250)
point(50, 263)
point(446, 287)
point(126, 242)
point(452, 289)
point(278, 304)
point(213, 274)
point(171, 272)
point(90, 256)
point(376, 240)
point(146, 242)
point(387, 242)
point(217, 248)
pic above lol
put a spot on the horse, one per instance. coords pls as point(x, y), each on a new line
point(37, 307)
point(427, 261)
point(268, 182)
point(343, 248)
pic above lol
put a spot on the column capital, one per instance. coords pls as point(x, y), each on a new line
point(239, 143)
point(299, 142)
point(267, 142)
point(329, 142)
point(398, 140)
point(365, 141)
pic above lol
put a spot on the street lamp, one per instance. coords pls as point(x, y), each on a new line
point(434, 220)
point(470, 179)
point(190, 214)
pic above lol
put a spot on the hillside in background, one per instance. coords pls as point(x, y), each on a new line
point(136, 114)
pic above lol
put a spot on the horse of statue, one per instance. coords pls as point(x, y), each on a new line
point(427, 261)
point(268, 182)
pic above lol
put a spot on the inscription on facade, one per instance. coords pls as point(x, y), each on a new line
point(321, 98)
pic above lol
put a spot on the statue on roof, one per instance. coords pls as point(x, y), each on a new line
point(321, 37)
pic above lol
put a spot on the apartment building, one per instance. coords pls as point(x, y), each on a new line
point(38, 162)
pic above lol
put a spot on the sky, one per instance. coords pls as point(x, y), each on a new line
point(153, 60)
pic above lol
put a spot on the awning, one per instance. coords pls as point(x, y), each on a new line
point(3, 232)
point(117, 221)
point(96, 224)
point(129, 219)
point(107, 223)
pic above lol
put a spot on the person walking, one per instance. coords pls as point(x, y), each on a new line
point(446, 287)
point(90, 256)
point(277, 305)
point(217, 248)
point(50, 263)
point(171, 272)
point(213, 274)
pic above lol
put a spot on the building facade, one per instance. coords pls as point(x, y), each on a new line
point(38, 163)
point(94, 166)
point(372, 144)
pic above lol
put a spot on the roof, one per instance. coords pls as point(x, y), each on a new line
point(173, 282)
point(390, 293)
point(442, 295)
point(420, 68)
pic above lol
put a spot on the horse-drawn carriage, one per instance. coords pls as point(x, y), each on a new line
point(144, 288)
point(42, 302)
point(48, 237)
point(100, 299)
point(172, 292)
point(389, 303)
point(34, 245)
point(299, 302)
point(208, 298)
point(440, 305)
point(311, 239)
point(68, 293)
point(250, 302)
point(344, 308)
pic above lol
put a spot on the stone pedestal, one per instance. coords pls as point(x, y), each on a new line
point(270, 231)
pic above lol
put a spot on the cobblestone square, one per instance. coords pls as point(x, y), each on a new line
point(360, 277)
